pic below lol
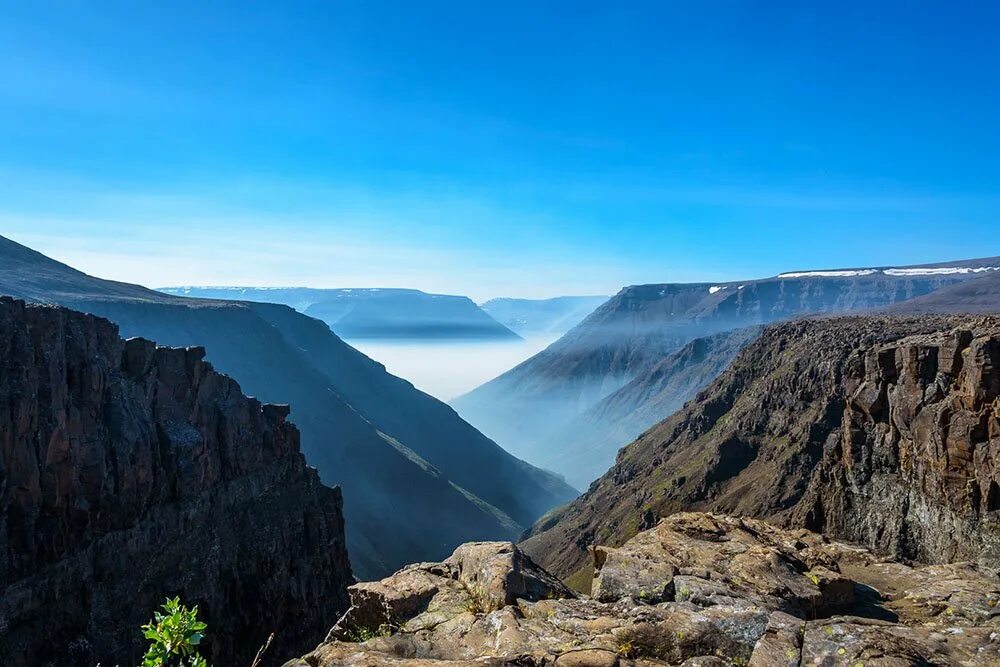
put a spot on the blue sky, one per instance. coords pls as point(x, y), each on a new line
point(497, 148)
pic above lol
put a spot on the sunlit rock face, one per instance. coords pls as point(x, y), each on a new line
point(695, 589)
point(131, 472)
point(884, 431)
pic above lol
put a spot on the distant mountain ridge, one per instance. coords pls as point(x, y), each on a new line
point(532, 409)
point(411, 469)
point(373, 313)
point(542, 316)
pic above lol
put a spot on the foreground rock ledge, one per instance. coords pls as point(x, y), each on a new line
point(696, 590)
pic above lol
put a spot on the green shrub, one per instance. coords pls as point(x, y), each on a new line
point(174, 636)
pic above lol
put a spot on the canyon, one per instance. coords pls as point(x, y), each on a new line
point(815, 491)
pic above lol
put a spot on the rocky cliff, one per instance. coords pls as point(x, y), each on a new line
point(696, 590)
point(130, 472)
point(880, 430)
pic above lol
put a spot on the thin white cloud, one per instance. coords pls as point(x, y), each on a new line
point(159, 254)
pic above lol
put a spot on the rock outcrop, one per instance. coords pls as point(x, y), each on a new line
point(879, 430)
point(695, 590)
point(131, 472)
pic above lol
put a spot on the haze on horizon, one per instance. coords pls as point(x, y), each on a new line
point(461, 149)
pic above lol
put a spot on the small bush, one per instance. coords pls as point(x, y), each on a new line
point(174, 636)
point(362, 635)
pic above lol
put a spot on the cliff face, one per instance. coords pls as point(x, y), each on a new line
point(884, 431)
point(130, 472)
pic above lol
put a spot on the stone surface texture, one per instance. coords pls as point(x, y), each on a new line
point(696, 589)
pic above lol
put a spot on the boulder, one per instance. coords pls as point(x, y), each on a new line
point(499, 573)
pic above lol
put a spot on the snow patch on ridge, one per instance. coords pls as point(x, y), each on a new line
point(713, 290)
point(917, 271)
point(828, 274)
point(940, 271)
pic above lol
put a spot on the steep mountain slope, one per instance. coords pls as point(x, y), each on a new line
point(981, 295)
point(129, 472)
point(411, 469)
point(883, 431)
point(373, 313)
point(534, 317)
point(587, 447)
point(527, 408)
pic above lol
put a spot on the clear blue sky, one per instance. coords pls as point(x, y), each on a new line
point(497, 148)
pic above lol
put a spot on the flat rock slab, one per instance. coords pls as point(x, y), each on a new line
point(696, 590)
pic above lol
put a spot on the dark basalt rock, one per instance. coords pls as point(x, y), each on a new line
point(883, 431)
point(130, 472)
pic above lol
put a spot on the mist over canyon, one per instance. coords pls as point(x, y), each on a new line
point(449, 369)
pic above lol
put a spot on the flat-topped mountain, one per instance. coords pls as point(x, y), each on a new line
point(880, 430)
point(298, 298)
point(411, 469)
point(130, 472)
point(538, 317)
point(532, 408)
point(373, 313)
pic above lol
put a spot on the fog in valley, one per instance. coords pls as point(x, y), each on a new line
point(448, 369)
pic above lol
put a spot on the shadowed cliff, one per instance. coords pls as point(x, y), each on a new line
point(131, 472)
